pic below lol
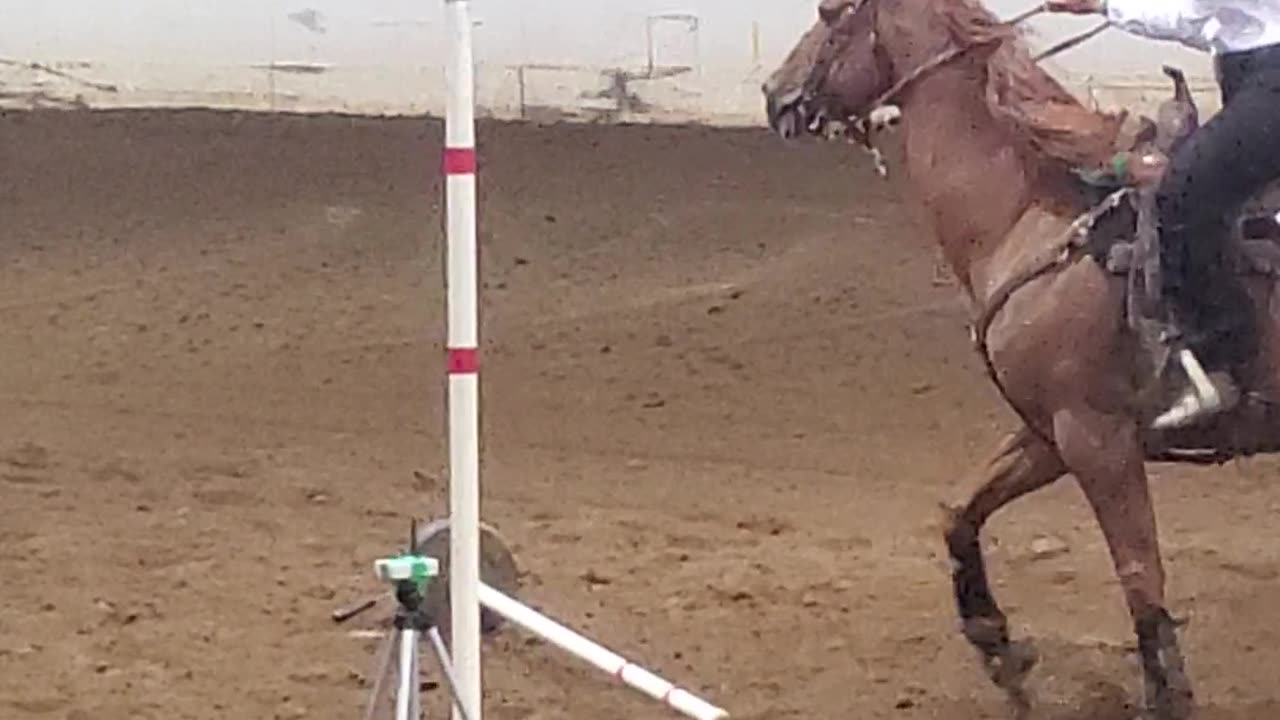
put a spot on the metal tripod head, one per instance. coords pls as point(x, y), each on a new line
point(409, 574)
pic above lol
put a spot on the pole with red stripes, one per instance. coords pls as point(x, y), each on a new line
point(465, 589)
point(459, 165)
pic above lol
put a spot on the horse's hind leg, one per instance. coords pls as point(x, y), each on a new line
point(1104, 453)
point(1023, 463)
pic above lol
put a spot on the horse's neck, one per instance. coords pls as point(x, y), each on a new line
point(968, 175)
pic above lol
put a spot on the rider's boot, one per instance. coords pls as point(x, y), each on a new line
point(1206, 393)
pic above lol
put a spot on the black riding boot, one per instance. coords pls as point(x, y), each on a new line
point(1210, 309)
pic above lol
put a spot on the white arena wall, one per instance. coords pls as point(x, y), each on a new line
point(683, 61)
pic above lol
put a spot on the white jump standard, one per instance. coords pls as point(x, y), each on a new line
point(462, 296)
point(465, 589)
point(456, 598)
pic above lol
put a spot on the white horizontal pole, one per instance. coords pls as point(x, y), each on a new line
point(604, 659)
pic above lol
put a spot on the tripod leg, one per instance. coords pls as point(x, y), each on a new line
point(408, 675)
point(383, 668)
point(415, 707)
point(446, 669)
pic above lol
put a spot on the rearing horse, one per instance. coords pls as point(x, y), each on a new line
point(991, 143)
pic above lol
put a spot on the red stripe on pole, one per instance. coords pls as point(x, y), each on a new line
point(463, 361)
point(459, 161)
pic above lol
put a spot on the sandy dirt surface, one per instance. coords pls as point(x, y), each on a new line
point(722, 403)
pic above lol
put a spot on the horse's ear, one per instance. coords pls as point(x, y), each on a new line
point(831, 10)
point(1136, 131)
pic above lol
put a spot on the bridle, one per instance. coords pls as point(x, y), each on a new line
point(839, 19)
point(839, 22)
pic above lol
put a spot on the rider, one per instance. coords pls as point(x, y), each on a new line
point(1216, 170)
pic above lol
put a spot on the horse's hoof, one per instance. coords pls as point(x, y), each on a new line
point(1173, 705)
point(1020, 705)
point(1168, 715)
point(1010, 668)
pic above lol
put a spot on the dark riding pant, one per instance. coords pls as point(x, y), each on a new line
point(1210, 176)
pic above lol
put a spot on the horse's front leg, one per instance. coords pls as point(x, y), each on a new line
point(1020, 465)
point(1104, 453)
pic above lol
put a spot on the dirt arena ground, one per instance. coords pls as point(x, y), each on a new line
point(722, 402)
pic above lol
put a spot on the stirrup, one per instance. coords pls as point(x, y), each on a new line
point(1202, 397)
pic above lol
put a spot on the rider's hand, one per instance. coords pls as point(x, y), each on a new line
point(1077, 7)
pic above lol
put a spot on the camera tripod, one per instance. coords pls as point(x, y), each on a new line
point(409, 574)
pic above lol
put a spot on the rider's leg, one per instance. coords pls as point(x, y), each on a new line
point(1210, 176)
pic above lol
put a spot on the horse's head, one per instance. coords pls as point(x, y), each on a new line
point(835, 72)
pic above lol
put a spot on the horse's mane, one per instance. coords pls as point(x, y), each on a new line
point(1025, 98)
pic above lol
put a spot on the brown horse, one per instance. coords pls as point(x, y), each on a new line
point(992, 145)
